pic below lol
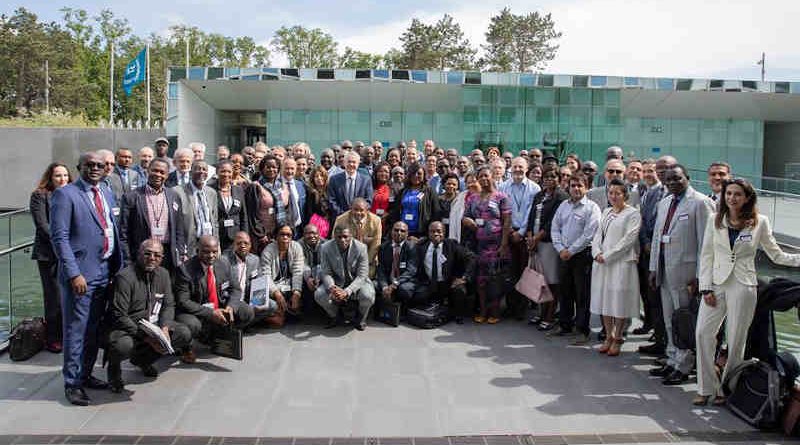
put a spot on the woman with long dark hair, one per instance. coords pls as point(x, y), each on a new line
point(316, 209)
point(416, 204)
point(55, 176)
point(728, 281)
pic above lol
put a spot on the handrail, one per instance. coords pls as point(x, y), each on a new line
point(14, 212)
point(13, 249)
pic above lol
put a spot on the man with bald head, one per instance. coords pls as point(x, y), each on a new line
point(146, 155)
point(142, 291)
point(207, 296)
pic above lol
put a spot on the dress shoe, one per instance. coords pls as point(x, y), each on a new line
point(651, 349)
point(699, 400)
point(559, 332)
point(116, 386)
point(94, 383)
point(361, 326)
point(662, 371)
point(54, 347)
point(580, 340)
point(332, 323)
point(189, 357)
point(660, 361)
point(535, 320)
point(76, 396)
point(616, 347)
point(479, 319)
point(492, 320)
point(642, 330)
point(148, 370)
point(675, 378)
point(459, 320)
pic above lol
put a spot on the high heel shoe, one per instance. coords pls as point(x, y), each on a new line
point(699, 400)
point(614, 350)
point(605, 346)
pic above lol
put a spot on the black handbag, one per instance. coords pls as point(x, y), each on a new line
point(428, 317)
point(684, 323)
point(228, 342)
point(27, 339)
point(388, 312)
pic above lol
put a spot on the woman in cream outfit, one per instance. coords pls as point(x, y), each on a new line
point(615, 279)
point(728, 281)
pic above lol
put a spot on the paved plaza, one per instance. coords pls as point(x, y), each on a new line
point(303, 381)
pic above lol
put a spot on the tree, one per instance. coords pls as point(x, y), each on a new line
point(520, 42)
point(437, 46)
point(306, 48)
point(357, 59)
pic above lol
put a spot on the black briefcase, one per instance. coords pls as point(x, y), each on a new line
point(27, 339)
point(388, 312)
point(228, 342)
point(428, 317)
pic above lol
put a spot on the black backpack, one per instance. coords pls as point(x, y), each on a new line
point(27, 339)
point(757, 390)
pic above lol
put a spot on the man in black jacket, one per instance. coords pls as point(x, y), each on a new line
point(142, 291)
point(153, 211)
point(207, 296)
point(443, 269)
point(397, 267)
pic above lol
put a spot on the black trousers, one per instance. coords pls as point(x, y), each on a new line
point(652, 302)
point(575, 279)
point(461, 305)
point(243, 315)
point(52, 300)
point(122, 346)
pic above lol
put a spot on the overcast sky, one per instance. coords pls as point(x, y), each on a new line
point(651, 38)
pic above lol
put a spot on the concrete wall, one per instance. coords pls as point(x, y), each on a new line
point(197, 121)
point(781, 146)
point(26, 152)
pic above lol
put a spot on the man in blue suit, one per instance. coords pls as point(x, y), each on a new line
point(86, 243)
point(346, 186)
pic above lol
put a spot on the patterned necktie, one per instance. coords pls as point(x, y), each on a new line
point(211, 285)
point(349, 190)
point(101, 215)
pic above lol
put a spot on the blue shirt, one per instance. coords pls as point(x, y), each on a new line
point(410, 209)
point(574, 225)
point(521, 196)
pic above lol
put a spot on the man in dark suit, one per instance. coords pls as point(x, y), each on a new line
point(206, 294)
point(124, 175)
point(86, 242)
point(244, 265)
point(397, 267)
point(312, 246)
point(297, 194)
point(153, 211)
point(181, 175)
point(443, 270)
point(142, 291)
point(344, 187)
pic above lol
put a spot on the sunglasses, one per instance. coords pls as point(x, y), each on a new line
point(95, 165)
point(619, 172)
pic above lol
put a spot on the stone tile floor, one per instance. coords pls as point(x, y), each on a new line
point(505, 384)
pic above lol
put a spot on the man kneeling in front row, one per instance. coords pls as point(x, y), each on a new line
point(207, 296)
point(142, 291)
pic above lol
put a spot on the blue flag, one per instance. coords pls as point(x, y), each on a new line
point(135, 72)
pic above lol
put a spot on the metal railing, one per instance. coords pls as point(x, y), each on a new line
point(20, 290)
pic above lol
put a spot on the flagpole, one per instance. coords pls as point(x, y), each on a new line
point(147, 74)
point(763, 66)
point(187, 55)
point(111, 88)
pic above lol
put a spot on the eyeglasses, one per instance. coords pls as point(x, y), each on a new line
point(153, 254)
point(589, 170)
point(91, 165)
point(619, 172)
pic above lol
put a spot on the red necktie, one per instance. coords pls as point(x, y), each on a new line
point(101, 215)
point(396, 262)
point(670, 214)
point(211, 283)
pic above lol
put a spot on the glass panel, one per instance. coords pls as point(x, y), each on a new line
point(26, 290)
point(527, 80)
point(176, 74)
point(21, 228)
point(173, 90)
point(215, 72)
point(631, 81)
point(5, 297)
point(197, 73)
point(666, 84)
point(455, 77)
point(599, 81)
point(419, 76)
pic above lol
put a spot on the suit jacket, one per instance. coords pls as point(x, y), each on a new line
point(311, 257)
point(135, 293)
point(649, 209)
point(718, 261)
point(191, 289)
point(114, 183)
point(77, 234)
point(233, 220)
point(370, 234)
point(135, 226)
point(548, 211)
point(121, 187)
point(187, 197)
point(40, 212)
point(337, 190)
point(407, 264)
point(172, 179)
point(459, 262)
point(270, 265)
point(617, 239)
point(685, 231)
point(251, 270)
point(332, 268)
point(300, 186)
point(600, 197)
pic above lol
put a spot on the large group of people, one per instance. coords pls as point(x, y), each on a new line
point(179, 242)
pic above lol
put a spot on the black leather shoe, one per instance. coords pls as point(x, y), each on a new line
point(149, 370)
point(361, 326)
point(676, 378)
point(94, 383)
point(116, 386)
point(642, 330)
point(651, 349)
point(662, 371)
point(459, 320)
point(76, 396)
point(332, 323)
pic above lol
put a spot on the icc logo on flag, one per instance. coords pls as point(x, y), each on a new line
point(134, 72)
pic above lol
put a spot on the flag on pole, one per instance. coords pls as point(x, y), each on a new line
point(135, 72)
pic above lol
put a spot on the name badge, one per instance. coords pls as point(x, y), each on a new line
point(270, 211)
point(408, 217)
point(665, 239)
point(159, 231)
point(175, 206)
point(479, 222)
point(115, 211)
point(209, 305)
point(683, 217)
point(206, 227)
point(577, 217)
point(493, 205)
point(445, 220)
point(402, 265)
point(746, 238)
point(227, 223)
point(236, 203)
point(379, 212)
point(254, 274)
point(224, 285)
point(109, 232)
point(391, 199)
point(420, 195)
point(156, 307)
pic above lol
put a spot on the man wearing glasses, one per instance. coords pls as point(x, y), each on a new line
point(615, 169)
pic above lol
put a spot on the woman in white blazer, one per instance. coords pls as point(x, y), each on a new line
point(728, 281)
point(615, 276)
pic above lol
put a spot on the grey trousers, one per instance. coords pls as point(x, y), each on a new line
point(365, 295)
point(675, 296)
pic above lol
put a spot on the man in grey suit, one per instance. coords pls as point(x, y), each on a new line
point(615, 169)
point(674, 253)
point(244, 265)
point(344, 275)
point(199, 207)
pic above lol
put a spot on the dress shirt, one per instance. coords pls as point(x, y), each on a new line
point(157, 213)
point(183, 178)
point(574, 225)
point(350, 187)
point(429, 261)
point(241, 270)
point(106, 213)
point(521, 195)
point(294, 202)
point(202, 214)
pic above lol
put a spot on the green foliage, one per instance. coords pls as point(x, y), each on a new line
point(436, 46)
point(357, 59)
point(520, 42)
point(54, 118)
point(306, 48)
